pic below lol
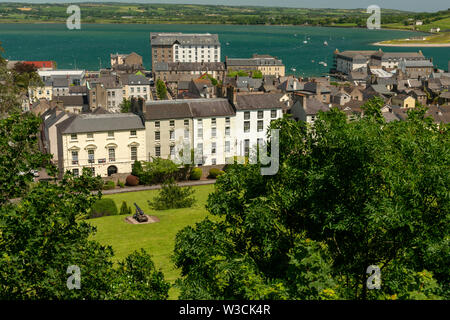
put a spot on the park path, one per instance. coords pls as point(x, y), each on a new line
point(157, 186)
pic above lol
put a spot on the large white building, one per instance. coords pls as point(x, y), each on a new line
point(184, 47)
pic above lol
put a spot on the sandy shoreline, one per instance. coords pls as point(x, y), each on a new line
point(411, 44)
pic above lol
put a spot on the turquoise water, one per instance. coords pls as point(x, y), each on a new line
point(90, 47)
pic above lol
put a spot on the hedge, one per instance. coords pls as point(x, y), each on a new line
point(103, 207)
point(109, 185)
point(214, 173)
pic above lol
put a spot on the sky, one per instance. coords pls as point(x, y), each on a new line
point(406, 5)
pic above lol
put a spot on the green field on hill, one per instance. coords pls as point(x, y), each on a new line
point(215, 14)
point(158, 239)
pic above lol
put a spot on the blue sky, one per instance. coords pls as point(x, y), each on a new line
point(407, 5)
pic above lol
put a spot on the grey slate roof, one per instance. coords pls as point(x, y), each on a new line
point(418, 63)
point(187, 108)
point(73, 101)
point(313, 106)
point(185, 39)
point(259, 101)
point(100, 123)
point(133, 79)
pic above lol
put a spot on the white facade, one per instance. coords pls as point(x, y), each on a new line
point(113, 151)
point(213, 140)
point(251, 126)
point(196, 53)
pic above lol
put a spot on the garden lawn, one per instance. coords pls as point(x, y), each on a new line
point(158, 239)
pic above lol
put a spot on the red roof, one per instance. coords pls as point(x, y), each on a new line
point(41, 64)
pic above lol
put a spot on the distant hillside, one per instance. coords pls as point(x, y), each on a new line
point(210, 14)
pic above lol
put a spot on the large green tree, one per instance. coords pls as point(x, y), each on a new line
point(348, 195)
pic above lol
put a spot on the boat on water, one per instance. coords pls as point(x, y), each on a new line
point(293, 69)
point(305, 41)
point(323, 63)
point(325, 43)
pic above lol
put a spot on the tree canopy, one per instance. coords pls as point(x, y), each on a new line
point(348, 195)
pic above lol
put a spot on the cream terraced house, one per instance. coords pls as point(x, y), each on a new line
point(105, 143)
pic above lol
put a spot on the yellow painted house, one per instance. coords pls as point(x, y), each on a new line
point(404, 101)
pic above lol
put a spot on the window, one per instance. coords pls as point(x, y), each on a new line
point(157, 135)
point(172, 123)
point(246, 126)
point(213, 132)
point(213, 162)
point(200, 133)
point(247, 115)
point(172, 151)
point(260, 125)
point(112, 154)
point(186, 122)
point(75, 172)
point(110, 134)
point(91, 156)
point(156, 124)
point(227, 146)
point(132, 90)
point(199, 153)
point(199, 123)
point(227, 131)
point(186, 133)
point(172, 135)
point(92, 171)
point(227, 120)
point(133, 153)
point(158, 151)
point(133, 133)
point(273, 113)
point(73, 137)
point(247, 147)
point(90, 136)
point(260, 114)
point(213, 148)
point(213, 121)
point(74, 157)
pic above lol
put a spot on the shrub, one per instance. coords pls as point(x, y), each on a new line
point(109, 185)
point(132, 180)
point(214, 173)
point(124, 208)
point(172, 196)
point(196, 174)
point(158, 171)
point(103, 207)
point(120, 184)
point(137, 169)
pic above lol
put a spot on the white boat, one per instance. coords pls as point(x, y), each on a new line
point(305, 41)
point(325, 43)
point(228, 43)
point(293, 69)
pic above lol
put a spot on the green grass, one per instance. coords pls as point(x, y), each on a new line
point(440, 38)
point(157, 238)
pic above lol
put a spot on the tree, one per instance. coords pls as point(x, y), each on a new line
point(161, 90)
point(44, 233)
point(125, 106)
point(172, 196)
point(347, 195)
point(157, 171)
